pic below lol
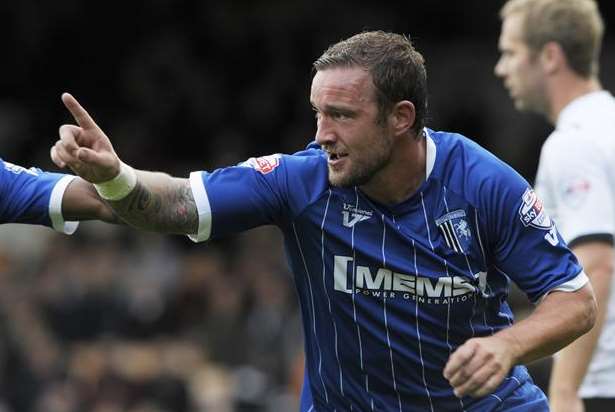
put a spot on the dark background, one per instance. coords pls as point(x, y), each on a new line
point(111, 319)
point(183, 85)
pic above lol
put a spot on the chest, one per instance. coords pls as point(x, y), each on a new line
point(431, 237)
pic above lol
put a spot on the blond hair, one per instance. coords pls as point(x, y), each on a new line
point(576, 25)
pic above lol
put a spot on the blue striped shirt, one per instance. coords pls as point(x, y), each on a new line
point(387, 293)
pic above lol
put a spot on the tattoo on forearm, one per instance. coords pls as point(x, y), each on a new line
point(171, 209)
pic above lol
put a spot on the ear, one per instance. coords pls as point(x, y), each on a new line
point(552, 57)
point(402, 117)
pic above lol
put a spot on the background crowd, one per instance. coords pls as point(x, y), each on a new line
point(108, 320)
point(112, 320)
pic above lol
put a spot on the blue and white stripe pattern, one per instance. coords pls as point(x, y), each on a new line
point(387, 293)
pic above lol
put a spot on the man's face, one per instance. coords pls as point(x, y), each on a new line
point(358, 147)
point(520, 69)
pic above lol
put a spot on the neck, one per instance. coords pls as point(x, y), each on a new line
point(403, 174)
point(566, 89)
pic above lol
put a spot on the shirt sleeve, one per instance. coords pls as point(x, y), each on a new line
point(33, 196)
point(260, 191)
point(526, 245)
point(575, 178)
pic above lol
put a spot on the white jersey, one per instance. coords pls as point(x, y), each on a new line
point(576, 180)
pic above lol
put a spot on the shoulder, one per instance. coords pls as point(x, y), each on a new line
point(299, 162)
point(306, 174)
point(301, 176)
point(586, 123)
point(310, 157)
point(470, 170)
point(16, 169)
point(459, 155)
point(594, 111)
point(574, 146)
point(10, 172)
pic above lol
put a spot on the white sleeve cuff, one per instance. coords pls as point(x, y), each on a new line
point(55, 207)
point(203, 208)
point(572, 285)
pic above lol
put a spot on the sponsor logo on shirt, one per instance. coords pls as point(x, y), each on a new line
point(353, 215)
point(456, 230)
point(264, 164)
point(383, 282)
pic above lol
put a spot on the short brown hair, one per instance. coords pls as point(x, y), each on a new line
point(576, 25)
point(397, 69)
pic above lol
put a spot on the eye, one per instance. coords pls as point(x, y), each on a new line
point(339, 116)
point(508, 53)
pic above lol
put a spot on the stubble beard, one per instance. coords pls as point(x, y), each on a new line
point(362, 170)
point(534, 105)
point(533, 100)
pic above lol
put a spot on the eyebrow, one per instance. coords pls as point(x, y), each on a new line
point(333, 109)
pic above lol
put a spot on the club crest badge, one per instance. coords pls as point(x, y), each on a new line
point(532, 212)
point(456, 231)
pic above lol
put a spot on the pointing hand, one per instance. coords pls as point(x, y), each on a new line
point(84, 147)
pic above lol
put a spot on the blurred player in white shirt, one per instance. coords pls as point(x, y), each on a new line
point(549, 64)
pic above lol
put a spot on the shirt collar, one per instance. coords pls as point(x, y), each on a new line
point(580, 108)
point(430, 155)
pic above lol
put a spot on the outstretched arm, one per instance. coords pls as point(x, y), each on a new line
point(146, 200)
point(159, 203)
point(81, 202)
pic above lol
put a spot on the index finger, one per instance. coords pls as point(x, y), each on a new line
point(460, 357)
point(80, 115)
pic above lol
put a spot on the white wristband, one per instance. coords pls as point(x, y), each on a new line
point(120, 186)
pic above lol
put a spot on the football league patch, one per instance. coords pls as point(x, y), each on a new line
point(532, 212)
point(574, 190)
point(264, 164)
point(455, 230)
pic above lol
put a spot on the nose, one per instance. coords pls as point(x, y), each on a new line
point(498, 70)
point(325, 133)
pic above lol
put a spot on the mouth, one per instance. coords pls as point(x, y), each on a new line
point(336, 158)
point(333, 156)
